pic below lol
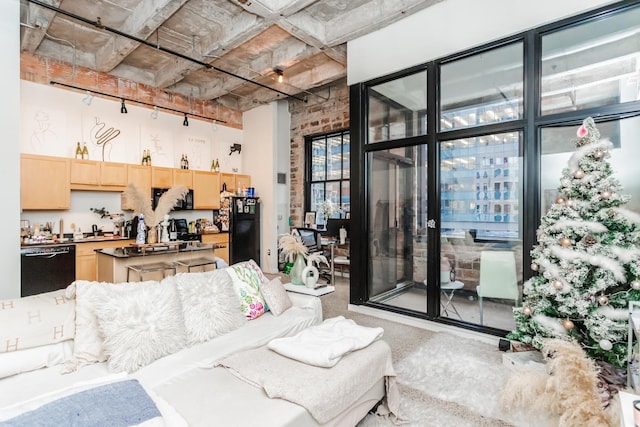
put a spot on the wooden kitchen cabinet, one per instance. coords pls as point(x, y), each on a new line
point(206, 190)
point(230, 180)
point(98, 176)
point(86, 257)
point(161, 177)
point(220, 238)
point(183, 177)
point(243, 181)
point(44, 182)
point(140, 176)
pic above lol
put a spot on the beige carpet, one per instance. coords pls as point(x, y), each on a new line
point(426, 403)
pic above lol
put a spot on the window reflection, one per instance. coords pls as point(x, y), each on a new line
point(483, 88)
point(593, 64)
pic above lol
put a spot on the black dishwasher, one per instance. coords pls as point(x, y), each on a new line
point(46, 268)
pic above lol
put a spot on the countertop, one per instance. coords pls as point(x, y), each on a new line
point(135, 251)
point(70, 241)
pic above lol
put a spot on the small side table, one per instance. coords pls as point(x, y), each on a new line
point(301, 289)
point(448, 290)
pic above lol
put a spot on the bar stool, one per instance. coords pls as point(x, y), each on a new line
point(342, 261)
point(143, 269)
point(196, 262)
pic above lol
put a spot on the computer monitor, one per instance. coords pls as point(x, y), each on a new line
point(334, 225)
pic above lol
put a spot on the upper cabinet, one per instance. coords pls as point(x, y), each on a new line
point(140, 176)
point(183, 177)
point(161, 177)
point(206, 190)
point(98, 176)
point(243, 181)
point(230, 180)
point(44, 183)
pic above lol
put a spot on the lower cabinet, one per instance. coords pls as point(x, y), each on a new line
point(220, 238)
point(87, 260)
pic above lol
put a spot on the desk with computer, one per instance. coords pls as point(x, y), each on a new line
point(333, 242)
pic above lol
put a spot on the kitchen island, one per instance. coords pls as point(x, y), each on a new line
point(113, 263)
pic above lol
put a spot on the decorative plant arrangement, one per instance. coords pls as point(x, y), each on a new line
point(328, 208)
point(142, 204)
point(291, 246)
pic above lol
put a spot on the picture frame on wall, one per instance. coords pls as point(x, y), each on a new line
point(309, 219)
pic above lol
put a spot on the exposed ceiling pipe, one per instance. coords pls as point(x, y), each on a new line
point(100, 25)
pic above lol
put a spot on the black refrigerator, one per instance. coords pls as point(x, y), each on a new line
point(244, 229)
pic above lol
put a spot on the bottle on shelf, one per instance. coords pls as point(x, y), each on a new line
point(85, 151)
point(186, 162)
point(182, 162)
point(78, 151)
point(173, 231)
point(144, 158)
point(148, 157)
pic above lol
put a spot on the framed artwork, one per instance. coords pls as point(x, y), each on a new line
point(309, 219)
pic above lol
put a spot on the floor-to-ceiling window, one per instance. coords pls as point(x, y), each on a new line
point(462, 156)
point(328, 173)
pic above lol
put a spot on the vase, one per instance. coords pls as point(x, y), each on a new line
point(310, 276)
point(296, 271)
point(152, 236)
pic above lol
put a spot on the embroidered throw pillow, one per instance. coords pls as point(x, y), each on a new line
point(36, 320)
point(247, 282)
point(276, 296)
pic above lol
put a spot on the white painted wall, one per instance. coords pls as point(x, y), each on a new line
point(266, 132)
point(10, 149)
point(448, 27)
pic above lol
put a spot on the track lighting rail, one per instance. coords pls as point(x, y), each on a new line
point(123, 99)
point(100, 25)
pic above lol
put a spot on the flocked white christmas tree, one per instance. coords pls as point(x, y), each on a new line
point(586, 261)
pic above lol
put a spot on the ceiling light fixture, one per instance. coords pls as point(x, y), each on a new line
point(186, 121)
point(123, 108)
point(122, 99)
point(279, 74)
point(87, 99)
point(154, 113)
point(214, 126)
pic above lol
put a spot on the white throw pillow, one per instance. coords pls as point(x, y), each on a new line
point(36, 320)
point(276, 296)
point(209, 304)
point(88, 346)
point(141, 325)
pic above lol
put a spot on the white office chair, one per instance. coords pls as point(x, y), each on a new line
point(498, 278)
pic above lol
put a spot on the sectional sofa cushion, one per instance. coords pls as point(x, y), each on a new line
point(209, 304)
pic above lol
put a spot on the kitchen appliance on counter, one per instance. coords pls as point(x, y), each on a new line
point(46, 268)
point(244, 229)
point(185, 231)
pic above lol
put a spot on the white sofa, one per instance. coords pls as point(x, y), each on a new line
point(179, 375)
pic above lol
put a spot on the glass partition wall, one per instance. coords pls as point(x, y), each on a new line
point(462, 157)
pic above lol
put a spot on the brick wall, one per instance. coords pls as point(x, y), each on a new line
point(39, 69)
point(314, 117)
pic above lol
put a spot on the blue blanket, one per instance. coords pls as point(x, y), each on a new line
point(121, 403)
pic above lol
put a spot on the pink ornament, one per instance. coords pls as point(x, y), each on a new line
point(582, 132)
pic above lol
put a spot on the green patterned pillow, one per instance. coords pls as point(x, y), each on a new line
point(247, 282)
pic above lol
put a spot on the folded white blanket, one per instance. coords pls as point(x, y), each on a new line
point(325, 344)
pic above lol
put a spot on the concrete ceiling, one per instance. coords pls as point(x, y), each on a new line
point(224, 51)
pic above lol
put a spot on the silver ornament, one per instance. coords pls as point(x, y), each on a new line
point(603, 300)
point(599, 154)
point(534, 266)
point(579, 174)
point(557, 284)
point(606, 194)
point(526, 311)
point(635, 285)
